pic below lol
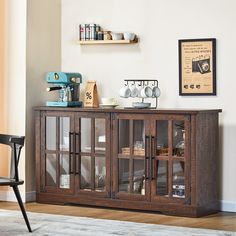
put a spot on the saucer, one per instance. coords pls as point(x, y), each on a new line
point(141, 104)
point(108, 105)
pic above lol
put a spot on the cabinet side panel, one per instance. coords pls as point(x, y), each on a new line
point(37, 149)
point(193, 160)
point(207, 153)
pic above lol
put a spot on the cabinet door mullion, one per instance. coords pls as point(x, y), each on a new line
point(93, 153)
point(115, 160)
point(131, 161)
point(170, 161)
point(57, 152)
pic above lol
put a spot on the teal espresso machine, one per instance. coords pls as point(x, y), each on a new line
point(68, 86)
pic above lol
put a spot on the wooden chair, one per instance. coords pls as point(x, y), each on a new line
point(16, 143)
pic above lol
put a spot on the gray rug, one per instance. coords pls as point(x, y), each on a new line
point(12, 223)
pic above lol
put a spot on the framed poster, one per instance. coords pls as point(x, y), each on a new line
point(197, 67)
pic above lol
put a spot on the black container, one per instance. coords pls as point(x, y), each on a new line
point(100, 35)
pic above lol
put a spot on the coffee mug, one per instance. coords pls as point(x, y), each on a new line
point(134, 91)
point(139, 88)
point(125, 92)
point(156, 92)
point(146, 92)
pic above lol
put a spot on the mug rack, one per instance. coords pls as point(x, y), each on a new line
point(143, 83)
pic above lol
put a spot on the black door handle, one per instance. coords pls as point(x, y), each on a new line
point(71, 153)
point(146, 156)
point(150, 158)
point(153, 155)
point(77, 153)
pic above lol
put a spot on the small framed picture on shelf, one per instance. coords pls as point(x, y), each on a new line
point(197, 67)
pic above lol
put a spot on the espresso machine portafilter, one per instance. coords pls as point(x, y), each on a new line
point(68, 86)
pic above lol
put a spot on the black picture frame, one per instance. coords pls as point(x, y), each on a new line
point(197, 67)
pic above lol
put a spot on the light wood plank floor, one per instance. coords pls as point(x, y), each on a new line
point(219, 221)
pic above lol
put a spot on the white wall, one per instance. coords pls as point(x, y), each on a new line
point(43, 55)
point(159, 24)
point(28, 59)
point(3, 92)
point(16, 74)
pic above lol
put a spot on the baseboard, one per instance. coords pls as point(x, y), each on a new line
point(9, 196)
point(30, 196)
point(229, 206)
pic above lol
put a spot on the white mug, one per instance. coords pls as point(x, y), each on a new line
point(156, 92)
point(134, 91)
point(125, 92)
point(139, 88)
point(146, 92)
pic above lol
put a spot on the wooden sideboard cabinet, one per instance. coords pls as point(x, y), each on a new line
point(143, 159)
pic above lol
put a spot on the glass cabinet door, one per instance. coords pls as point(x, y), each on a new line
point(171, 153)
point(130, 165)
point(93, 154)
point(161, 161)
point(178, 158)
point(56, 152)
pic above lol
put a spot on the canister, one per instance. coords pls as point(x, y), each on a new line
point(92, 29)
point(87, 31)
point(82, 31)
point(100, 35)
point(107, 35)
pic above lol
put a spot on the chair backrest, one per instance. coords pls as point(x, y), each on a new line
point(16, 143)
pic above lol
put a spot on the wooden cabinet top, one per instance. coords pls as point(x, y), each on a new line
point(129, 110)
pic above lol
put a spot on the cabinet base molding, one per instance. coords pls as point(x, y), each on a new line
point(169, 209)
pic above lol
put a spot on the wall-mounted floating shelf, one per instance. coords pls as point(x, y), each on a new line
point(89, 42)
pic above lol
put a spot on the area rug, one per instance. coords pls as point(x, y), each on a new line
point(12, 223)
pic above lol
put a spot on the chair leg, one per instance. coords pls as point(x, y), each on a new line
point(18, 197)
